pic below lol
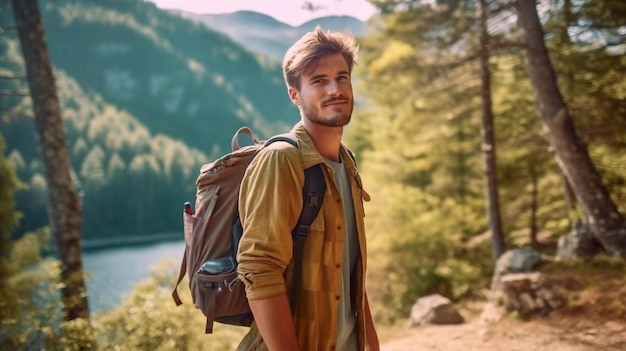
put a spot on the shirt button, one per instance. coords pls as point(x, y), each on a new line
point(338, 201)
point(337, 265)
point(338, 227)
point(337, 297)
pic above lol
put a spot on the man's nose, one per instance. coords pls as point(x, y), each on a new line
point(332, 88)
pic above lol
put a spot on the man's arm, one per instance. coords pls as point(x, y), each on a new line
point(371, 342)
point(265, 249)
point(273, 317)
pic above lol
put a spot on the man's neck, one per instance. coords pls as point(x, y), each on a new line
point(327, 140)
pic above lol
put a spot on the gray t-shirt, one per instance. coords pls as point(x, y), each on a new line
point(347, 333)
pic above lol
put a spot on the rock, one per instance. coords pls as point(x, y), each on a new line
point(529, 293)
point(520, 260)
point(434, 309)
point(578, 243)
point(516, 287)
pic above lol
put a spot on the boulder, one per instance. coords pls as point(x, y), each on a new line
point(517, 287)
point(529, 293)
point(434, 309)
point(578, 243)
point(521, 260)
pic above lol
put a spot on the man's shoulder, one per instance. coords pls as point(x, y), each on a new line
point(280, 149)
point(278, 155)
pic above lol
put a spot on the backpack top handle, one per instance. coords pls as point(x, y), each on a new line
point(234, 144)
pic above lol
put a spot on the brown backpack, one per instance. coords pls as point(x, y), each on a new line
point(212, 233)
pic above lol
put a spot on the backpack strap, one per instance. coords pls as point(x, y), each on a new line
point(313, 196)
point(237, 230)
point(181, 274)
point(286, 137)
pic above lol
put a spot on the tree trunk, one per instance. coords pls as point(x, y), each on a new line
point(489, 142)
point(534, 206)
point(607, 224)
point(64, 206)
point(570, 198)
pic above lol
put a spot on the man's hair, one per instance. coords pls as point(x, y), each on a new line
point(312, 47)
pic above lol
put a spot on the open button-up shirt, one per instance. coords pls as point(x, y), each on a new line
point(269, 204)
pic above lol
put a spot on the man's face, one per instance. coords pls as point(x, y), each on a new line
point(325, 95)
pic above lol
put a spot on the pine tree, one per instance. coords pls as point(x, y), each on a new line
point(600, 212)
point(64, 206)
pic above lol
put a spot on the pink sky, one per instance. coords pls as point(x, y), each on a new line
point(287, 11)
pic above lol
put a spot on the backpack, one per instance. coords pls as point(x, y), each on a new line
point(213, 232)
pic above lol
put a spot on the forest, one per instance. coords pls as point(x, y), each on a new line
point(482, 126)
point(147, 97)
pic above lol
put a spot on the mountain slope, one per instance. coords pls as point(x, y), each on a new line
point(179, 78)
point(264, 34)
point(146, 98)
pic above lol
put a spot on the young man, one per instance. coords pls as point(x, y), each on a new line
point(332, 311)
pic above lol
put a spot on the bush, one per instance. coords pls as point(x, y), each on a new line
point(150, 320)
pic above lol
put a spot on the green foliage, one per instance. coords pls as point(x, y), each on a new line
point(30, 312)
point(419, 145)
point(171, 73)
point(118, 166)
point(587, 47)
point(147, 97)
point(416, 248)
point(9, 184)
point(148, 319)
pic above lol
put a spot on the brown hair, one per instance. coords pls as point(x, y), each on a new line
point(312, 47)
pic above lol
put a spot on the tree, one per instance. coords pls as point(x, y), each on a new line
point(489, 140)
point(600, 212)
point(64, 206)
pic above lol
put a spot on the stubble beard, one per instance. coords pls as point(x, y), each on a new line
point(337, 119)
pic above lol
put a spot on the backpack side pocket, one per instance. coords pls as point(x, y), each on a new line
point(222, 298)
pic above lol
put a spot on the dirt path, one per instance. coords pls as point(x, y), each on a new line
point(593, 319)
point(511, 335)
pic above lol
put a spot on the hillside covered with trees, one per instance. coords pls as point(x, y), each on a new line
point(147, 97)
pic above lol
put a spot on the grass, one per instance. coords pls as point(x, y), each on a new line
point(595, 289)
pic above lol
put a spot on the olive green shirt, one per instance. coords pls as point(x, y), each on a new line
point(269, 204)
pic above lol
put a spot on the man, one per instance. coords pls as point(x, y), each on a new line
point(332, 311)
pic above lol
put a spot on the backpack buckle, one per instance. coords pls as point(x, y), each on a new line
point(312, 199)
point(303, 231)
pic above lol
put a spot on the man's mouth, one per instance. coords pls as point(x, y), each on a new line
point(335, 102)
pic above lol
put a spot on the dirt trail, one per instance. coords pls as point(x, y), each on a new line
point(593, 318)
point(512, 335)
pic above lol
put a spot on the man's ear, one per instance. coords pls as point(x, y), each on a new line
point(294, 96)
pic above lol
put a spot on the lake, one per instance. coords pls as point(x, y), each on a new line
point(113, 272)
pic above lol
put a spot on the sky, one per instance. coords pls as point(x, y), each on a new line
point(287, 11)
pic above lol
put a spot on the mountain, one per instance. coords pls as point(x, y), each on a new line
point(177, 77)
point(147, 96)
point(264, 34)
